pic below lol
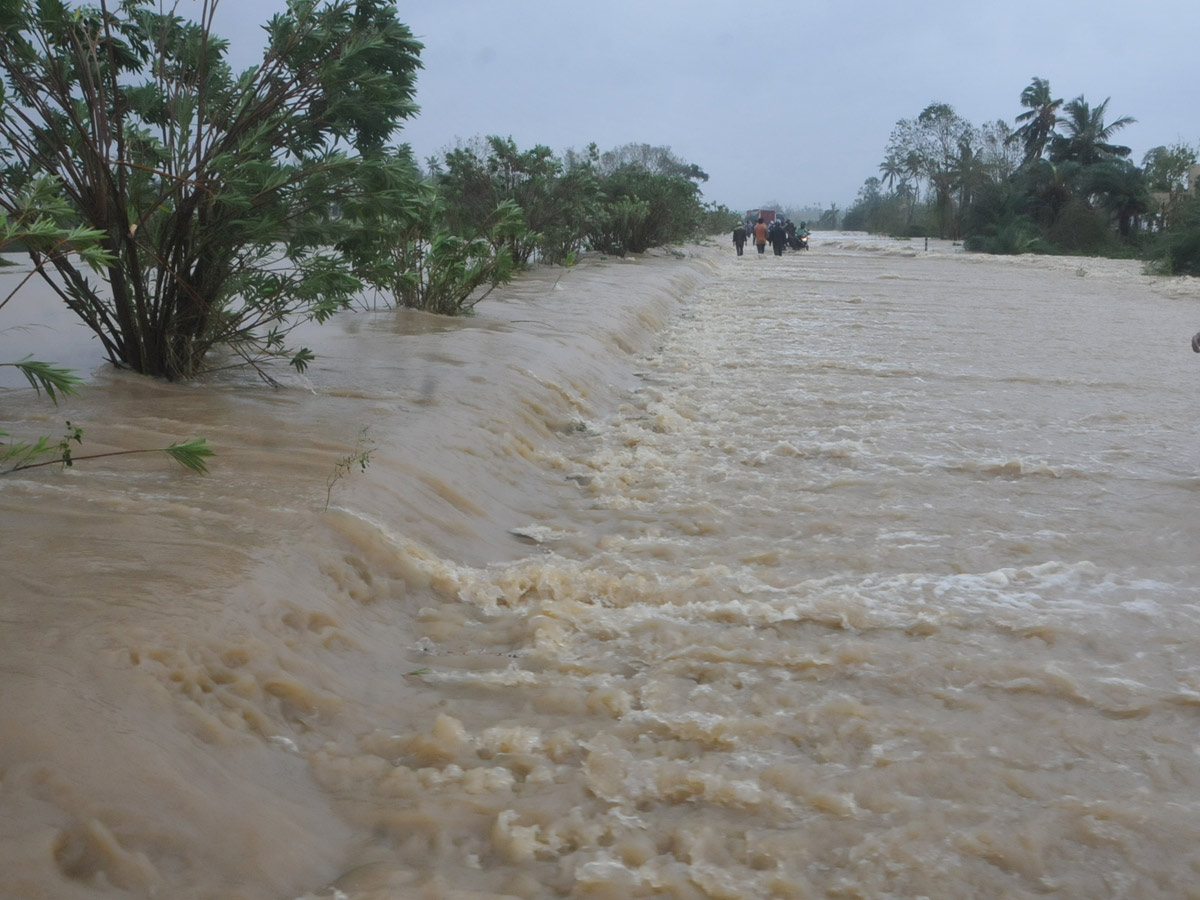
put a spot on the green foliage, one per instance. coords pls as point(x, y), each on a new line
point(1039, 120)
point(412, 255)
point(191, 454)
point(39, 220)
point(652, 159)
point(479, 177)
point(829, 219)
point(1008, 238)
point(215, 194)
point(1043, 189)
point(623, 201)
point(44, 376)
point(896, 212)
point(17, 456)
point(1074, 191)
point(937, 146)
point(1178, 250)
point(620, 218)
point(942, 158)
point(643, 209)
point(37, 223)
point(1080, 229)
point(717, 219)
point(995, 224)
point(1120, 188)
point(56, 381)
point(360, 459)
point(1167, 171)
point(1085, 136)
point(576, 201)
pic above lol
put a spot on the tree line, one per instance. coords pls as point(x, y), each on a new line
point(192, 215)
point(1055, 181)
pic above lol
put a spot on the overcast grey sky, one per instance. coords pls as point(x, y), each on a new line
point(786, 101)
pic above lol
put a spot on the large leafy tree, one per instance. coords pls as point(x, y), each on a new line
point(935, 144)
point(576, 202)
point(1039, 119)
point(1086, 137)
point(1166, 170)
point(476, 178)
point(656, 160)
point(641, 209)
point(998, 153)
point(217, 192)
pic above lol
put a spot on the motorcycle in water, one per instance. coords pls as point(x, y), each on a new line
point(798, 241)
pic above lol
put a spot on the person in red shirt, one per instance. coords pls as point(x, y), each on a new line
point(760, 235)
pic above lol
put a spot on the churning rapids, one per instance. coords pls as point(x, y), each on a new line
point(865, 572)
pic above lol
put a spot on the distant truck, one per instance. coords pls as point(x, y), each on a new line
point(767, 215)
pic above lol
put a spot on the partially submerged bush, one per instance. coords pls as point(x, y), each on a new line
point(412, 256)
point(215, 192)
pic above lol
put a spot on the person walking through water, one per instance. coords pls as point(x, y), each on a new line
point(778, 237)
point(739, 237)
point(760, 235)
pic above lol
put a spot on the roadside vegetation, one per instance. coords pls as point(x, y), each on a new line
point(192, 216)
point(1055, 181)
point(227, 207)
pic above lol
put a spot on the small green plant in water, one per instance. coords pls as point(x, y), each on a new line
point(74, 433)
point(57, 381)
point(189, 454)
point(361, 458)
point(23, 455)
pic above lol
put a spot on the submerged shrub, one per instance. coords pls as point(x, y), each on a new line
point(217, 193)
point(411, 254)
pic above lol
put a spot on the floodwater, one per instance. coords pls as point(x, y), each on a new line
point(865, 572)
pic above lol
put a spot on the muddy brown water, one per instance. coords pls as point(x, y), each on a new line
point(866, 572)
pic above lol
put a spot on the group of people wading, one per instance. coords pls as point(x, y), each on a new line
point(780, 233)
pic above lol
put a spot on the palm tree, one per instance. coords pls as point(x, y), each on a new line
point(829, 218)
point(968, 172)
point(893, 170)
point(912, 165)
point(1086, 140)
point(1039, 121)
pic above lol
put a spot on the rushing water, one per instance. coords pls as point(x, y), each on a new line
point(864, 572)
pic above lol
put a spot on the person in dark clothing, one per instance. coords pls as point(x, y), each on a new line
point(778, 236)
point(739, 237)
